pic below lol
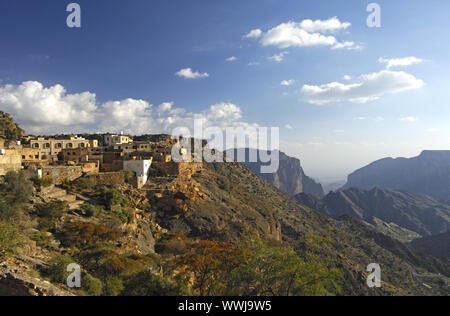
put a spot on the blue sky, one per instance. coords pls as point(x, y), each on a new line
point(104, 75)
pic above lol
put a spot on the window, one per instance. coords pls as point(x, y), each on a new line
point(24, 157)
point(47, 145)
point(36, 145)
point(36, 156)
point(69, 145)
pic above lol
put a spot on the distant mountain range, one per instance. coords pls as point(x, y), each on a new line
point(427, 174)
point(290, 177)
point(438, 246)
point(400, 214)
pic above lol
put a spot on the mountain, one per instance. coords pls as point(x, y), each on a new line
point(414, 212)
point(428, 174)
point(438, 246)
point(290, 176)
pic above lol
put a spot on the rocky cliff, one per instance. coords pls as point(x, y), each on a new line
point(429, 174)
point(290, 177)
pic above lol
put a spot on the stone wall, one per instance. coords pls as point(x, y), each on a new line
point(10, 163)
point(178, 169)
point(107, 178)
point(61, 173)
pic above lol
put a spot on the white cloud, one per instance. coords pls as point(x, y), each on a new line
point(371, 87)
point(331, 25)
point(41, 110)
point(400, 62)
point(288, 126)
point(253, 63)
point(410, 119)
point(39, 106)
point(165, 107)
point(187, 73)
point(287, 82)
point(232, 58)
point(254, 34)
point(279, 57)
point(307, 33)
point(347, 45)
point(347, 77)
point(291, 34)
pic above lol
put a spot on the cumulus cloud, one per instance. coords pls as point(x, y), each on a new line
point(188, 73)
point(307, 33)
point(400, 62)
point(254, 34)
point(287, 82)
point(288, 126)
point(232, 58)
point(42, 110)
point(371, 87)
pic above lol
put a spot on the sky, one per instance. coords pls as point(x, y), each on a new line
point(342, 93)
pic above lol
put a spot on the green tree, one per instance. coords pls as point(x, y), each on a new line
point(57, 272)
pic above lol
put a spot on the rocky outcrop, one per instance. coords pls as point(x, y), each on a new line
point(427, 174)
point(290, 177)
point(15, 283)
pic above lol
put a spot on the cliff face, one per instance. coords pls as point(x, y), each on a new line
point(428, 174)
point(290, 176)
point(414, 212)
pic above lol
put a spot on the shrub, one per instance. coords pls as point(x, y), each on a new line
point(129, 176)
point(49, 213)
point(91, 210)
point(57, 272)
point(113, 286)
point(85, 235)
point(7, 212)
point(92, 285)
point(18, 184)
point(111, 197)
point(148, 284)
point(9, 239)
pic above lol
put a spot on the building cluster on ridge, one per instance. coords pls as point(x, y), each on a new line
point(68, 157)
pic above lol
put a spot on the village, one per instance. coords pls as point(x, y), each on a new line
point(101, 157)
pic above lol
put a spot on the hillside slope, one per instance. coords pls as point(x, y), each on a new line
point(428, 174)
point(438, 246)
point(414, 212)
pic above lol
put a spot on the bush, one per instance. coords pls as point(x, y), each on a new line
point(93, 286)
point(129, 176)
point(18, 184)
point(91, 210)
point(7, 212)
point(57, 272)
point(42, 182)
point(9, 239)
point(148, 284)
point(111, 197)
point(113, 286)
point(49, 214)
point(85, 235)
